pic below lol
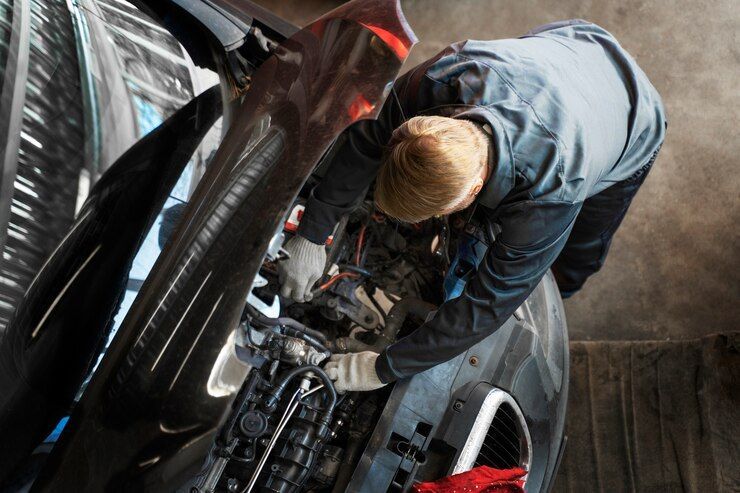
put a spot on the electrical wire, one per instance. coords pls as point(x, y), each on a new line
point(356, 269)
point(360, 242)
point(335, 278)
point(266, 321)
point(248, 331)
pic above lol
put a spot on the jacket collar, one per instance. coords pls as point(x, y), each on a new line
point(501, 180)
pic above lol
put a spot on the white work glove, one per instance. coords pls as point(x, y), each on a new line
point(353, 372)
point(304, 267)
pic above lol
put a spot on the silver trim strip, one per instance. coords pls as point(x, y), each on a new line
point(474, 442)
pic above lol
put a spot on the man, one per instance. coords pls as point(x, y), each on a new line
point(550, 134)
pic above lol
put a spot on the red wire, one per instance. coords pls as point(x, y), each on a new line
point(358, 257)
point(335, 278)
point(360, 242)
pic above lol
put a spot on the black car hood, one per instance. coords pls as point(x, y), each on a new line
point(166, 384)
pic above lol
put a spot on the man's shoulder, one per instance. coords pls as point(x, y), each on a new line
point(449, 64)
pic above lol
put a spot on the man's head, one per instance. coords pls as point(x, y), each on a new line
point(435, 165)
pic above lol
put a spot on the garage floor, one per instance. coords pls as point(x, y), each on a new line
point(653, 416)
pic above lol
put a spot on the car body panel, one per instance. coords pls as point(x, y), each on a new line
point(514, 358)
point(150, 412)
point(61, 323)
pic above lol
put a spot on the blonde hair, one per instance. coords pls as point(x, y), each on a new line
point(430, 167)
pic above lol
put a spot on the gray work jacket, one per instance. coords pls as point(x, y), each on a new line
point(571, 113)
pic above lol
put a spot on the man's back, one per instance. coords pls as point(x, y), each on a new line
point(573, 83)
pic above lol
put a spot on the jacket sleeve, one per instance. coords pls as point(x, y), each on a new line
point(533, 234)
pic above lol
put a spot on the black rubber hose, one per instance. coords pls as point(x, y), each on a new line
point(348, 465)
point(354, 268)
point(352, 345)
point(401, 310)
point(262, 319)
point(274, 395)
point(248, 332)
point(309, 339)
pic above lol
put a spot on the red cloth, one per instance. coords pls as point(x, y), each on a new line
point(481, 479)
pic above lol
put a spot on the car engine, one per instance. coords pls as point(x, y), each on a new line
point(289, 430)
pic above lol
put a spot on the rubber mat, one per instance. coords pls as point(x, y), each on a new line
point(653, 416)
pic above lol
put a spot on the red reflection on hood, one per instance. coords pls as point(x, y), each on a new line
point(359, 107)
point(394, 42)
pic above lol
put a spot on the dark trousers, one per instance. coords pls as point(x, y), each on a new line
point(585, 251)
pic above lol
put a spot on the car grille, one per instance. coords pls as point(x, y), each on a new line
point(502, 444)
point(498, 436)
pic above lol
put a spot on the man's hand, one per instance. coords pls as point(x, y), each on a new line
point(353, 371)
point(304, 267)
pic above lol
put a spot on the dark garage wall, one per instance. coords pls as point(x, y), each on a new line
point(673, 271)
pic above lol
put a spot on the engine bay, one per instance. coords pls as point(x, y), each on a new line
point(289, 430)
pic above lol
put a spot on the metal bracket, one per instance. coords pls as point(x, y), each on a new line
point(346, 302)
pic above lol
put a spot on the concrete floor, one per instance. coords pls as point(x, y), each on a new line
point(673, 271)
point(631, 427)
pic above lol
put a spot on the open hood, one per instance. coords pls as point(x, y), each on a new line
point(136, 428)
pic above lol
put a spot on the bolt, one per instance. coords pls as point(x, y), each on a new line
point(474, 360)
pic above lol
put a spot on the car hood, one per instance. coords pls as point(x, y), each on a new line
point(168, 380)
